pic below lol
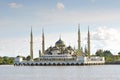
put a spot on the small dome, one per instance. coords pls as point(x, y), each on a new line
point(60, 43)
point(69, 48)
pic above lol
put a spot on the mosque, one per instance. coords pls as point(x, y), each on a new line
point(59, 54)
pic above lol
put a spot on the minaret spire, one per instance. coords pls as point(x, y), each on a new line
point(79, 41)
point(31, 45)
point(43, 42)
point(39, 54)
point(79, 46)
point(60, 37)
point(88, 43)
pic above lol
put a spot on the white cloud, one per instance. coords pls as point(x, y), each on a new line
point(105, 33)
point(106, 38)
point(15, 5)
point(60, 6)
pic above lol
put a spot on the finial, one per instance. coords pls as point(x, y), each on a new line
point(60, 37)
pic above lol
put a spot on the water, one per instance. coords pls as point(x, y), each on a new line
point(94, 72)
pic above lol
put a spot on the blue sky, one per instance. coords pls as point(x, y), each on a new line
point(58, 17)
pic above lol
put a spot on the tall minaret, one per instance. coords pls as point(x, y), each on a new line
point(88, 43)
point(79, 45)
point(31, 45)
point(79, 41)
point(39, 54)
point(43, 42)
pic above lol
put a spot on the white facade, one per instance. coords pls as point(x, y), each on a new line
point(18, 59)
point(61, 60)
point(94, 60)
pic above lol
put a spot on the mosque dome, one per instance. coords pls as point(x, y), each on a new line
point(60, 43)
point(69, 48)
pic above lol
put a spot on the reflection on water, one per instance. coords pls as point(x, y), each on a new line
point(95, 72)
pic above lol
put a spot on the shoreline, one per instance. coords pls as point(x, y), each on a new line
point(106, 63)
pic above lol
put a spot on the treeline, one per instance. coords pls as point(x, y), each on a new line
point(6, 60)
point(109, 57)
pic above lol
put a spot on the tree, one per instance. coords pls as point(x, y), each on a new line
point(11, 60)
point(5, 60)
point(1, 60)
point(108, 55)
point(99, 53)
point(28, 58)
point(8, 60)
point(118, 53)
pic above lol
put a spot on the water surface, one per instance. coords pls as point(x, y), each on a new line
point(94, 72)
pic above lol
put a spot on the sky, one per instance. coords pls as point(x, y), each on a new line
point(58, 17)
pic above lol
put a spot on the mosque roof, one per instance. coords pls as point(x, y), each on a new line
point(59, 42)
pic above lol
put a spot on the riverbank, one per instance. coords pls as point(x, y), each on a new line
point(115, 62)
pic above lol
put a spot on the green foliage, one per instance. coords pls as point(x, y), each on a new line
point(6, 60)
point(99, 53)
point(107, 54)
point(119, 53)
point(1, 60)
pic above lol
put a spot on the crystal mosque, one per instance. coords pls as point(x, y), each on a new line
point(60, 54)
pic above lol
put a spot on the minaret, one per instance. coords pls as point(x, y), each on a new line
point(88, 43)
point(79, 46)
point(79, 41)
point(43, 42)
point(39, 54)
point(60, 37)
point(31, 45)
point(86, 51)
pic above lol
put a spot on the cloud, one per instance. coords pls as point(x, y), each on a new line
point(15, 5)
point(60, 6)
point(106, 38)
point(105, 33)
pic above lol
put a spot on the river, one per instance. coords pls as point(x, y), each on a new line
point(93, 72)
